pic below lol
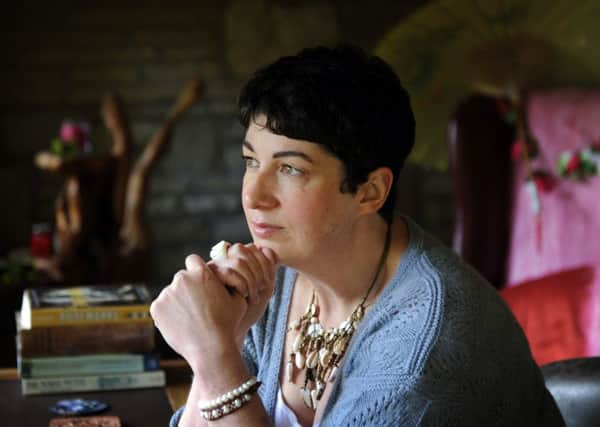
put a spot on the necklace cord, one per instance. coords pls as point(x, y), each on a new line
point(384, 254)
point(319, 351)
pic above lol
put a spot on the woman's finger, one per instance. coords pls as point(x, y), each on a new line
point(194, 262)
point(267, 267)
point(251, 266)
point(259, 284)
point(231, 278)
point(240, 257)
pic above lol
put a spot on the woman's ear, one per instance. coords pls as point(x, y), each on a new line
point(374, 192)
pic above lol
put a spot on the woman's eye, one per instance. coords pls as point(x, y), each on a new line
point(290, 170)
point(250, 162)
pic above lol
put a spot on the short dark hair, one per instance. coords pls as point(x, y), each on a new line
point(350, 102)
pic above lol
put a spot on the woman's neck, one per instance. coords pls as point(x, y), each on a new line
point(342, 278)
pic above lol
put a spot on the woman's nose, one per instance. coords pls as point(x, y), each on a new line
point(258, 192)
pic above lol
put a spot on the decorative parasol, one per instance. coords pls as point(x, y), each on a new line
point(451, 48)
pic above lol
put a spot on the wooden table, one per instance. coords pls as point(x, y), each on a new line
point(147, 407)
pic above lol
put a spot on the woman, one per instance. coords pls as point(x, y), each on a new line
point(367, 320)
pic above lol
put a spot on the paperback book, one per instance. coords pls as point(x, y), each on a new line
point(85, 305)
point(135, 380)
point(94, 364)
point(44, 341)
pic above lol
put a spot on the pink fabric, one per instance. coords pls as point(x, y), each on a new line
point(560, 120)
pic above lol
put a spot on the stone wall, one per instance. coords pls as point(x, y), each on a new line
point(61, 57)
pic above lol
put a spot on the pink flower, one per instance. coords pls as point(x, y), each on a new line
point(71, 132)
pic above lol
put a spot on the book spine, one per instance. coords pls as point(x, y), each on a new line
point(86, 339)
point(46, 367)
point(89, 315)
point(33, 386)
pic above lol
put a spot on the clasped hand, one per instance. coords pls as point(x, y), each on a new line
point(208, 307)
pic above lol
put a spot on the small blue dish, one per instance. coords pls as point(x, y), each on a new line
point(78, 407)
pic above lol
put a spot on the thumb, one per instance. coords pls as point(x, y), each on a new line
point(194, 262)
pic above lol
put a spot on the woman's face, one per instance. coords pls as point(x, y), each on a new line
point(291, 196)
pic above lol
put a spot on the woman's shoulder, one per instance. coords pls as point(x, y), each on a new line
point(435, 306)
point(402, 325)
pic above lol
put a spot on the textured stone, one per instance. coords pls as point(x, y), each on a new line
point(218, 182)
point(180, 231)
point(60, 59)
point(231, 228)
point(226, 106)
point(110, 73)
point(233, 133)
point(17, 217)
point(161, 206)
point(195, 53)
point(34, 92)
point(18, 74)
point(58, 55)
point(167, 262)
point(137, 92)
point(26, 39)
point(197, 38)
point(182, 72)
point(232, 156)
point(142, 130)
point(188, 158)
point(258, 31)
point(148, 16)
point(24, 135)
point(212, 203)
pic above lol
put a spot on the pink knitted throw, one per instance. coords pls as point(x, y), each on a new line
point(560, 120)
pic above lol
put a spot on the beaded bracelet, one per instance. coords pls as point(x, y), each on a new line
point(228, 402)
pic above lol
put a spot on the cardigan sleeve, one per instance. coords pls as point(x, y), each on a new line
point(249, 353)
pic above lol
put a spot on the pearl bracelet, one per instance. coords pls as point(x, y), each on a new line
point(228, 402)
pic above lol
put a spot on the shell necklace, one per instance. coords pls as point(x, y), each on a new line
point(319, 351)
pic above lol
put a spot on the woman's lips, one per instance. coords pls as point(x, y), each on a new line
point(263, 229)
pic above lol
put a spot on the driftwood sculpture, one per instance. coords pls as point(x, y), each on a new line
point(100, 230)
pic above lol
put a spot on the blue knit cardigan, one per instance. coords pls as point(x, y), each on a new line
point(438, 348)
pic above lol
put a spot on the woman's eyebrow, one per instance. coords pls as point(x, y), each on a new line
point(291, 153)
point(286, 153)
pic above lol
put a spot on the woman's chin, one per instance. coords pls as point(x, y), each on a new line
point(264, 243)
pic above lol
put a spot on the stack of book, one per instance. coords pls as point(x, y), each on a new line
point(86, 339)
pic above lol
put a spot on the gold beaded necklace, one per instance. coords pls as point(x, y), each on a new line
point(320, 350)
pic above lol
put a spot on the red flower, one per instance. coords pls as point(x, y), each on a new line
point(516, 151)
point(574, 163)
point(544, 181)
